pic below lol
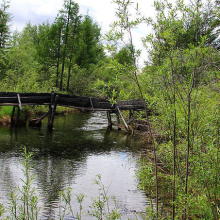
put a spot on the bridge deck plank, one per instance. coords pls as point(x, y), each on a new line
point(11, 99)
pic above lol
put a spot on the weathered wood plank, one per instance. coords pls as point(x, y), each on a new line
point(17, 117)
point(23, 100)
point(122, 118)
point(13, 94)
point(50, 115)
point(130, 120)
point(12, 116)
point(7, 98)
point(109, 120)
point(119, 126)
point(19, 101)
point(40, 119)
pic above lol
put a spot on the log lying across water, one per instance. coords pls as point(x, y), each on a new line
point(56, 99)
point(96, 104)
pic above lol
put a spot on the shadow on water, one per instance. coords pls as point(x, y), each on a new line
point(78, 148)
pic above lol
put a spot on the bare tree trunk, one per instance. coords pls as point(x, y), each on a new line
point(189, 113)
point(69, 71)
point(187, 153)
point(148, 120)
point(174, 140)
point(71, 55)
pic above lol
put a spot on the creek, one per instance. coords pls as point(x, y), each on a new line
point(78, 149)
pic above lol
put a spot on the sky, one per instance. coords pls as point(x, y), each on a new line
point(102, 11)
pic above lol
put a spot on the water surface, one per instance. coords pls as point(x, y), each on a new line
point(78, 149)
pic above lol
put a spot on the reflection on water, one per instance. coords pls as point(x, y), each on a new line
point(78, 149)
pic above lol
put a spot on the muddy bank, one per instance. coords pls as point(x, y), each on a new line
point(5, 120)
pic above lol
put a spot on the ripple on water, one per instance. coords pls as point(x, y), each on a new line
point(78, 149)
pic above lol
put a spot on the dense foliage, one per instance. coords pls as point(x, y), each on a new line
point(66, 55)
point(59, 56)
point(181, 78)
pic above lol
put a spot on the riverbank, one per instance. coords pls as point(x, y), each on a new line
point(28, 113)
point(5, 120)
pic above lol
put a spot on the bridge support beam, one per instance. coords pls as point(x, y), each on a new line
point(17, 117)
point(12, 116)
point(15, 122)
point(118, 110)
point(50, 119)
point(118, 119)
point(52, 110)
point(109, 120)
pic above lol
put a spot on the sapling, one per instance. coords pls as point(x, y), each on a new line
point(79, 199)
point(2, 210)
point(100, 208)
point(24, 202)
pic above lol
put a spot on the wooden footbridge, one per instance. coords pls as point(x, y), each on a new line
point(56, 99)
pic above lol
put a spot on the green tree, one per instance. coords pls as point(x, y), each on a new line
point(46, 49)
point(23, 68)
point(182, 69)
point(185, 29)
point(124, 56)
point(89, 50)
point(85, 54)
point(73, 32)
point(5, 18)
point(120, 31)
point(56, 33)
point(69, 14)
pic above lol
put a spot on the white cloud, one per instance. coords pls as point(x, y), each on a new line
point(36, 12)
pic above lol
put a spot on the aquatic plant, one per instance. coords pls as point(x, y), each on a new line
point(2, 210)
point(100, 207)
point(24, 202)
point(103, 206)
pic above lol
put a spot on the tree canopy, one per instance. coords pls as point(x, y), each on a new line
point(179, 86)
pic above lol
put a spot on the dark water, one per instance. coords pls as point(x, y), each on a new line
point(78, 149)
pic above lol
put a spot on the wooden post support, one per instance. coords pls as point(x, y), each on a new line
point(126, 126)
point(92, 104)
point(17, 117)
point(109, 120)
point(40, 119)
point(118, 119)
point(50, 120)
point(130, 120)
point(12, 116)
point(19, 101)
point(54, 108)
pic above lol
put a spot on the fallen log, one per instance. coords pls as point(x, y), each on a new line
point(36, 122)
